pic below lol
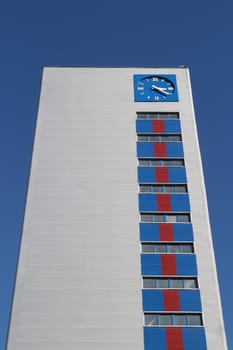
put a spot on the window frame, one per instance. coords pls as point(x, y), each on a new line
point(160, 162)
point(158, 115)
point(158, 137)
point(170, 284)
point(159, 316)
point(164, 188)
point(167, 247)
point(166, 217)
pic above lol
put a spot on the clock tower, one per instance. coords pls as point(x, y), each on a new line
point(116, 250)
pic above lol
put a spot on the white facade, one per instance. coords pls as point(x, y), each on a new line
point(78, 283)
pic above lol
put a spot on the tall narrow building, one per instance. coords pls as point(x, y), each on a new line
point(116, 250)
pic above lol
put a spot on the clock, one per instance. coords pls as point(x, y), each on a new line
point(155, 88)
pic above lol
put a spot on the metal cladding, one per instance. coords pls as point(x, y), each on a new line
point(116, 250)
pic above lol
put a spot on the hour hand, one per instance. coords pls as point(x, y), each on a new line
point(162, 91)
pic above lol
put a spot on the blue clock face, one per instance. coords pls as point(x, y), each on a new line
point(155, 88)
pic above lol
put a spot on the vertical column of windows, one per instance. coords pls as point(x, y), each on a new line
point(170, 285)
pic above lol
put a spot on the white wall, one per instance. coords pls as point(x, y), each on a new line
point(78, 283)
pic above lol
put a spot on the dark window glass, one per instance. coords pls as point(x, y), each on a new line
point(171, 218)
point(183, 218)
point(160, 248)
point(143, 162)
point(194, 320)
point(146, 218)
point(149, 283)
point(190, 283)
point(146, 115)
point(163, 188)
point(165, 319)
point(144, 188)
point(164, 283)
point(181, 188)
point(151, 320)
point(173, 248)
point(176, 283)
point(186, 248)
point(157, 189)
point(142, 138)
point(158, 138)
point(155, 162)
point(158, 218)
point(147, 248)
point(179, 320)
point(160, 162)
point(169, 189)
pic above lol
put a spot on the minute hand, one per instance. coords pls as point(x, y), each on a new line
point(163, 91)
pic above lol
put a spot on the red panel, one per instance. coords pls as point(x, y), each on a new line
point(158, 126)
point(166, 233)
point(160, 149)
point(168, 264)
point(174, 338)
point(161, 174)
point(171, 300)
point(164, 202)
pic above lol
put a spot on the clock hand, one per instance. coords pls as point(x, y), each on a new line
point(161, 90)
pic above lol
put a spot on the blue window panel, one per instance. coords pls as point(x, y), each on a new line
point(144, 126)
point(149, 232)
point(183, 232)
point(194, 338)
point(150, 264)
point(148, 202)
point(172, 126)
point(145, 149)
point(186, 265)
point(152, 300)
point(177, 175)
point(190, 300)
point(146, 175)
point(180, 202)
point(174, 149)
point(155, 338)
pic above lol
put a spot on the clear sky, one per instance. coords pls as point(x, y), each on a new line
point(153, 33)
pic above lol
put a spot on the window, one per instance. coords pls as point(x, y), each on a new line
point(173, 248)
point(159, 138)
point(166, 319)
point(156, 115)
point(153, 218)
point(163, 188)
point(167, 282)
point(160, 162)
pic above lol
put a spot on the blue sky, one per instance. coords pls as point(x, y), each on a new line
point(145, 33)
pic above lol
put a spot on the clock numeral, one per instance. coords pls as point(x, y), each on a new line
point(140, 88)
point(156, 98)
